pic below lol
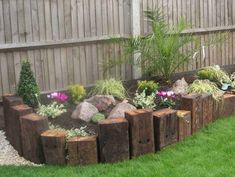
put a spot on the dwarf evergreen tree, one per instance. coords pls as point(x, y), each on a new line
point(27, 87)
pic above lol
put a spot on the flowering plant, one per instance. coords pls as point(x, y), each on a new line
point(52, 110)
point(167, 98)
point(58, 96)
point(144, 101)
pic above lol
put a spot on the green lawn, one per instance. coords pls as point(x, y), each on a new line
point(209, 153)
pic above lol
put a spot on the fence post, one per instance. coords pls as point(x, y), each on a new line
point(135, 24)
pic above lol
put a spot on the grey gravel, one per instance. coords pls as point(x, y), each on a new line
point(8, 155)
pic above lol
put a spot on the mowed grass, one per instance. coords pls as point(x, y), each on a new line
point(209, 153)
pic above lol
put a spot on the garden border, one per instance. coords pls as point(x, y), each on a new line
point(140, 132)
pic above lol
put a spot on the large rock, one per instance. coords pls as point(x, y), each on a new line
point(84, 111)
point(180, 87)
point(101, 102)
point(120, 109)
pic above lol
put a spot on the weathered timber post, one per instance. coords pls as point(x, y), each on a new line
point(113, 140)
point(165, 128)
point(140, 131)
point(136, 30)
point(54, 142)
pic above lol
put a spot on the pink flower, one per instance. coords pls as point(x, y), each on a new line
point(58, 96)
point(169, 94)
point(54, 94)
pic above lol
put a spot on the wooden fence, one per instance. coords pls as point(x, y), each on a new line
point(67, 40)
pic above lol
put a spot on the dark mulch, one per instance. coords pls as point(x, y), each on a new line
point(65, 121)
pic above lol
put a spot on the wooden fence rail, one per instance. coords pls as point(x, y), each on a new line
point(66, 41)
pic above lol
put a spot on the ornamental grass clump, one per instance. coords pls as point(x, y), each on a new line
point(27, 87)
point(206, 86)
point(214, 74)
point(109, 87)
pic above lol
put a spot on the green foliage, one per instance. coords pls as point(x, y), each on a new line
point(27, 87)
point(52, 110)
point(97, 117)
point(149, 87)
point(77, 92)
point(167, 103)
point(78, 132)
point(214, 74)
point(144, 101)
point(73, 132)
point(160, 51)
point(109, 87)
point(206, 86)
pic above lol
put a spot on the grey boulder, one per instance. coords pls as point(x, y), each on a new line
point(101, 102)
point(119, 110)
point(84, 111)
point(180, 87)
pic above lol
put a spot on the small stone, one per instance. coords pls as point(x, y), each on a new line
point(120, 109)
point(180, 87)
point(84, 111)
point(8, 155)
point(101, 102)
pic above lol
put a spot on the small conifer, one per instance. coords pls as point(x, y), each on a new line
point(27, 87)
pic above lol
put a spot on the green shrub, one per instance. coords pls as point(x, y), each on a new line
point(97, 117)
point(206, 86)
point(27, 87)
point(109, 87)
point(160, 51)
point(52, 110)
point(149, 87)
point(77, 92)
point(144, 101)
point(214, 74)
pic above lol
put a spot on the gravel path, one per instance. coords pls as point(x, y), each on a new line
point(8, 155)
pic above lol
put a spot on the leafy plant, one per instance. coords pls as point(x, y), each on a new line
point(214, 74)
point(142, 100)
point(27, 87)
point(52, 110)
point(97, 117)
point(160, 51)
point(78, 132)
point(206, 86)
point(77, 92)
point(73, 132)
point(149, 87)
point(167, 99)
point(109, 87)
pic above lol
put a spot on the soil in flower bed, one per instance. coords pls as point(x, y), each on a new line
point(65, 121)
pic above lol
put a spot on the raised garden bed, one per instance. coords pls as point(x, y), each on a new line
point(140, 132)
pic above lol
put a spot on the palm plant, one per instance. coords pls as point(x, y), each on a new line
point(160, 51)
